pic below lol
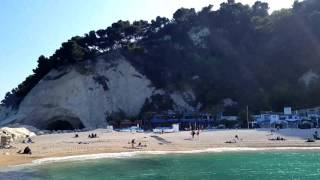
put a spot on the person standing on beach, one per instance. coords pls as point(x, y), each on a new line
point(192, 134)
point(133, 141)
point(198, 134)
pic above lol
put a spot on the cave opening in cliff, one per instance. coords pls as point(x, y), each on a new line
point(64, 125)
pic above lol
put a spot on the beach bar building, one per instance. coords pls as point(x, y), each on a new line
point(310, 116)
point(267, 119)
point(285, 119)
point(185, 120)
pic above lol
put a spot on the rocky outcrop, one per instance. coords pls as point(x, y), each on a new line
point(86, 95)
point(309, 77)
point(18, 132)
point(184, 101)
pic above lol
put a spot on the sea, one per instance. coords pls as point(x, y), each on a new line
point(220, 165)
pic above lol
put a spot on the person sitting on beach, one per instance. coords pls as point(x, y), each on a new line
point(26, 150)
point(280, 138)
point(310, 140)
point(76, 136)
point(232, 141)
point(29, 140)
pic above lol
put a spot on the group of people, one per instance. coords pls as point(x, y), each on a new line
point(235, 140)
point(315, 137)
point(133, 142)
point(193, 133)
point(278, 138)
point(92, 135)
point(28, 140)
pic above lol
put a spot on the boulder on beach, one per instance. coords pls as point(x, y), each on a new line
point(18, 132)
point(27, 150)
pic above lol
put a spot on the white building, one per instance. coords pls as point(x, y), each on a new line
point(284, 119)
point(266, 119)
point(310, 115)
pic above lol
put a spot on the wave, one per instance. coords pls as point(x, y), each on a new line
point(135, 153)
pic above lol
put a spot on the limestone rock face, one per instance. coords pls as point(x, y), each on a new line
point(86, 95)
point(183, 101)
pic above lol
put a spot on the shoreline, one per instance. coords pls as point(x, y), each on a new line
point(137, 153)
point(85, 157)
point(63, 147)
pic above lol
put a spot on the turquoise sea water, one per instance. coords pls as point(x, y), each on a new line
point(227, 165)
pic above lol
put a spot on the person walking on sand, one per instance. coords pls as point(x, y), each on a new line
point(192, 134)
point(236, 137)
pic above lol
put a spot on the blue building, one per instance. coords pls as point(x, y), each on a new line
point(185, 120)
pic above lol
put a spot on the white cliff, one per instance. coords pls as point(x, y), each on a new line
point(86, 95)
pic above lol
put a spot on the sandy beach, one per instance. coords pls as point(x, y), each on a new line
point(61, 145)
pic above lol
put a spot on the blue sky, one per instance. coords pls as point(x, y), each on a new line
point(30, 28)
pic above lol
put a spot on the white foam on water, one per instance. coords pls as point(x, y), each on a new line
point(229, 149)
point(135, 153)
point(85, 157)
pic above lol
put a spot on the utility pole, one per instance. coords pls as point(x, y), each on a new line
point(248, 117)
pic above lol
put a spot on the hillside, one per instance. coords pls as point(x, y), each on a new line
point(209, 60)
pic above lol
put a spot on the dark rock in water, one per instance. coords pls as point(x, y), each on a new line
point(27, 150)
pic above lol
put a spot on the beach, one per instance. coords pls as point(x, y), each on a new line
point(65, 144)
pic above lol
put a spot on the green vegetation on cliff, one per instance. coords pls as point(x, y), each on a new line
point(237, 52)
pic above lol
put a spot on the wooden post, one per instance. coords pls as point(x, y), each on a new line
point(248, 117)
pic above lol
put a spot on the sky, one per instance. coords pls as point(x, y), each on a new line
point(30, 28)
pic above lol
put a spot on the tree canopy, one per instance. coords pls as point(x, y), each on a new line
point(238, 51)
